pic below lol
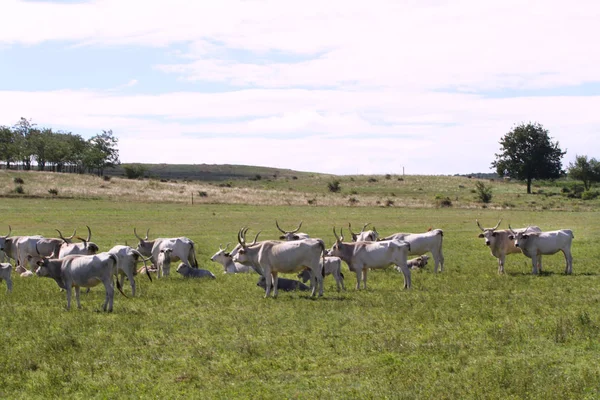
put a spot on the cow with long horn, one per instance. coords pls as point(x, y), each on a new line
point(362, 256)
point(226, 260)
point(536, 244)
point(182, 248)
point(272, 257)
point(500, 243)
point(364, 236)
point(127, 259)
point(86, 247)
point(292, 235)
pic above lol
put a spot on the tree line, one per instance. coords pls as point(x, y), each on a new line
point(27, 146)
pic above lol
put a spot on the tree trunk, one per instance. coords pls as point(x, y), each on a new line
point(528, 185)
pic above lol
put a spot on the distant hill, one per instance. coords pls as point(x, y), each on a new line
point(210, 172)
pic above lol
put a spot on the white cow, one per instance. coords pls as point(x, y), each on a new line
point(226, 260)
point(163, 264)
point(23, 272)
point(364, 236)
point(85, 248)
point(82, 271)
point(8, 246)
point(421, 243)
point(273, 257)
point(362, 256)
point(5, 270)
point(127, 259)
point(332, 266)
point(182, 248)
point(536, 244)
point(500, 243)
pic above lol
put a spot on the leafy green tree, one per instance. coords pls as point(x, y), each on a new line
point(24, 128)
point(585, 170)
point(8, 145)
point(102, 152)
point(527, 153)
point(40, 142)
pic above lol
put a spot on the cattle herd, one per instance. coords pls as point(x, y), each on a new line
point(82, 265)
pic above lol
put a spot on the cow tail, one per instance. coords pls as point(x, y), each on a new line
point(322, 243)
point(116, 260)
point(195, 261)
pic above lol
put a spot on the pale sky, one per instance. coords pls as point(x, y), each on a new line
point(332, 86)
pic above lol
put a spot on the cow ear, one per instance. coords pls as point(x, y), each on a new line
point(493, 234)
point(281, 237)
point(525, 236)
point(480, 235)
point(511, 237)
point(296, 237)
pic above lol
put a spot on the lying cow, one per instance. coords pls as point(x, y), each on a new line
point(226, 260)
point(23, 272)
point(82, 271)
point(416, 263)
point(287, 285)
point(5, 270)
point(536, 244)
point(188, 272)
point(333, 266)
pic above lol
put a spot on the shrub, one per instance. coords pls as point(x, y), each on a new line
point(226, 184)
point(134, 171)
point(202, 194)
point(565, 190)
point(19, 189)
point(388, 176)
point(483, 192)
point(311, 201)
point(372, 180)
point(18, 180)
point(389, 203)
point(256, 177)
point(443, 201)
point(353, 191)
point(106, 178)
point(353, 201)
point(400, 179)
point(294, 177)
point(589, 195)
point(53, 191)
point(334, 186)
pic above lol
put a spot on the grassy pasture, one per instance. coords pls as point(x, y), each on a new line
point(465, 333)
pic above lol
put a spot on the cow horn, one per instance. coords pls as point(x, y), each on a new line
point(255, 238)
point(280, 230)
point(9, 231)
point(224, 249)
point(298, 228)
point(364, 226)
point(240, 237)
point(144, 260)
point(479, 225)
point(350, 229)
point(497, 225)
point(89, 233)
point(511, 230)
point(136, 235)
point(335, 234)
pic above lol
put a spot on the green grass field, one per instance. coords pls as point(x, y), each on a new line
point(465, 333)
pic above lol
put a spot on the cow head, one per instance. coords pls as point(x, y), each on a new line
point(144, 245)
point(4, 239)
point(242, 255)
point(289, 235)
point(364, 236)
point(336, 248)
point(91, 248)
point(520, 238)
point(488, 233)
point(222, 256)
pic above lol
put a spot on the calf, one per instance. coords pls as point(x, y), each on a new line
point(23, 272)
point(416, 263)
point(163, 264)
point(536, 244)
point(333, 266)
point(287, 285)
point(5, 270)
point(226, 260)
point(188, 272)
point(82, 271)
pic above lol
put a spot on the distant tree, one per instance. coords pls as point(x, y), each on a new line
point(585, 170)
point(24, 129)
point(527, 153)
point(8, 145)
point(102, 152)
point(134, 171)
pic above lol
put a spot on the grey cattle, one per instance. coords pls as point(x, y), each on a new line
point(5, 271)
point(84, 248)
point(362, 256)
point(163, 264)
point(8, 245)
point(364, 236)
point(182, 248)
point(536, 244)
point(500, 243)
point(416, 263)
point(287, 285)
point(271, 257)
point(332, 266)
point(82, 271)
point(127, 259)
point(421, 243)
point(292, 235)
point(188, 272)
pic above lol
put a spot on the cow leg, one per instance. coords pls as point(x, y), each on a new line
point(406, 272)
point(9, 284)
point(77, 290)
point(569, 261)
point(319, 276)
point(501, 264)
point(268, 282)
point(132, 283)
point(539, 263)
point(358, 275)
point(364, 277)
point(534, 263)
point(438, 257)
point(275, 283)
point(313, 283)
point(110, 295)
point(68, 289)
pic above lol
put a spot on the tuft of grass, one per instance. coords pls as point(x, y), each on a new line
point(53, 191)
point(18, 180)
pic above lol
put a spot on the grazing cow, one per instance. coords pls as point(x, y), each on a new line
point(333, 266)
point(5, 270)
point(364, 236)
point(292, 235)
point(127, 259)
point(163, 264)
point(82, 271)
point(182, 248)
point(536, 244)
point(226, 260)
point(287, 285)
point(188, 272)
point(24, 248)
point(416, 263)
point(362, 256)
point(272, 257)
point(85, 248)
point(421, 243)
point(500, 243)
